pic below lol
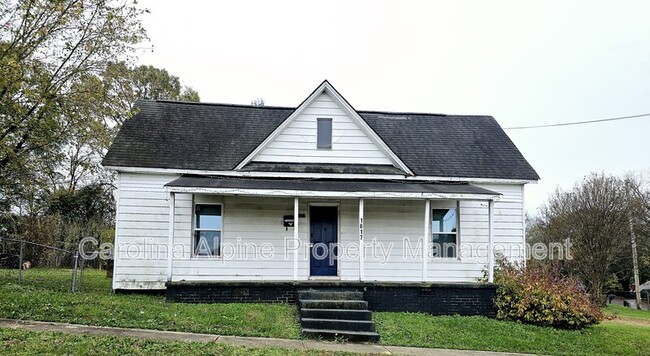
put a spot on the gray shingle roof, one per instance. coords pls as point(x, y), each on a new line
point(322, 168)
point(325, 185)
point(217, 137)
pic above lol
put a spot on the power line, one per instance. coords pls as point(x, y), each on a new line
point(576, 122)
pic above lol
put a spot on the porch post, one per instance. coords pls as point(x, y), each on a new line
point(296, 218)
point(170, 242)
point(425, 239)
point(523, 225)
point(491, 241)
point(361, 244)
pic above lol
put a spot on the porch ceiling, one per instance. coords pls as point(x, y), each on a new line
point(329, 188)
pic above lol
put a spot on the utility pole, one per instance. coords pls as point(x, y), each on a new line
point(635, 258)
point(635, 264)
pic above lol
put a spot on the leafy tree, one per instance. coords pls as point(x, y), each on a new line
point(123, 85)
point(66, 86)
point(48, 50)
point(109, 98)
point(92, 202)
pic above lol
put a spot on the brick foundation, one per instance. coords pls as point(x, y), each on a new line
point(435, 299)
point(432, 298)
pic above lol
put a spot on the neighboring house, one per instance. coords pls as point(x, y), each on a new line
point(229, 189)
point(645, 286)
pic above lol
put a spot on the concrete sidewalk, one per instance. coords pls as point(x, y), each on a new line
point(255, 342)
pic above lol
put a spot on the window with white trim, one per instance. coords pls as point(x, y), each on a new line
point(444, 229)
point(324, 133)
point(207, 229)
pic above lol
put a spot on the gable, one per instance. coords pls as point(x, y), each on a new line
point(352, 140)
point(296, 143)
point(203, 137)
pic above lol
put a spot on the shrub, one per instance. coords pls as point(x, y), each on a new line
point(542, 296)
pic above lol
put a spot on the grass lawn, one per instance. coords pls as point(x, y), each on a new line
point(20, 342)
point(612, 337)
point(44, 295)
point(625, 313)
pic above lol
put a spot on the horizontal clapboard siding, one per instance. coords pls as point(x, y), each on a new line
point(387, 223)
point(391, 222)
point(297, 142)
point(508, 220)
point(142, 230)
point(267, 213)
point(247, 221)
point(142, 236)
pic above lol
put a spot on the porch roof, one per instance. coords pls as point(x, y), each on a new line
point(329, 188)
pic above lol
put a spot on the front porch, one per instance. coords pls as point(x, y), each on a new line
point(380, 225)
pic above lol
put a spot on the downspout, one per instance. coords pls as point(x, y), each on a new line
point(170, 241)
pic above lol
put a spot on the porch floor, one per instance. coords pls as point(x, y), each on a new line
point(329, 283)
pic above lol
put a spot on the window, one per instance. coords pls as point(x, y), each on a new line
point(324, 133)
point(207, 230)
point(444, 228)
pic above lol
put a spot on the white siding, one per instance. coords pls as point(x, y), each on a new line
point(142, 230)
point(389, 222)
point(297, 142)
point(508, 219)
point(143, 223)
point(251, 220)
point(246, 221)
point(392, 221)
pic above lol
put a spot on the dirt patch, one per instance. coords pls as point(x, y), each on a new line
point(629, 321)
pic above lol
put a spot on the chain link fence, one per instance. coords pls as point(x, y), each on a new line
point(33, 264)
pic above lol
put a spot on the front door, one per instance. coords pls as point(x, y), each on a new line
point(324, 235)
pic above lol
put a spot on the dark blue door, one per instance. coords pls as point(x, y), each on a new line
point(323, 221)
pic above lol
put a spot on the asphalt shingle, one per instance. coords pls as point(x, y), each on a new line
point(217, 137)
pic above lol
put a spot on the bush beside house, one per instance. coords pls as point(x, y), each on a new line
point(541, 296)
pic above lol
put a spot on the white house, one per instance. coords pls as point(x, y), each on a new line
point(320, 194)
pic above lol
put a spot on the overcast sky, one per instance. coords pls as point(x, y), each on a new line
point(523, 62)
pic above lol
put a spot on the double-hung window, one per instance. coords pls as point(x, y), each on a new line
point(444, 227)
point(207, 229)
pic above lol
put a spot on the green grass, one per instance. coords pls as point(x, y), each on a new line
point(479, 333)
point(20, 342)
point(44, 295)
point(627, 313)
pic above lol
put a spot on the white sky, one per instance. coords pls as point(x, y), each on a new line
point(523, 62)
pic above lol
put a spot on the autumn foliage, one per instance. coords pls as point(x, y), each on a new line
point(540, 295)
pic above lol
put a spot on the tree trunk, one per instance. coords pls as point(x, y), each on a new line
point(635, 264)
point(597, 294)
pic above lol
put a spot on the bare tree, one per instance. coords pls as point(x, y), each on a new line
point(257, 102)
point(594, 215)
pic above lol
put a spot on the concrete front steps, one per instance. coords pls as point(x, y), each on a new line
point(336, 314)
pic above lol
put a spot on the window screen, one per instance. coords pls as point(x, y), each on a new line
point(324, 133)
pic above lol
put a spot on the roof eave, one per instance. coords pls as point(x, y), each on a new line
point(331, 194)
point(155, 170)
